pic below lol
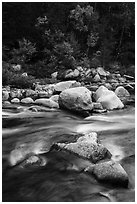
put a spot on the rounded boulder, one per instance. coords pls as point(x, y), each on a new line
point(76, 99)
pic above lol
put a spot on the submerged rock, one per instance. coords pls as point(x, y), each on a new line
point(34, 161)
point(38, 109)
point(24, 151)
point(88, 147)
point(76, 99)
point(109, 172)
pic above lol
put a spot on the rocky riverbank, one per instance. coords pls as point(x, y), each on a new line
point(82, 91)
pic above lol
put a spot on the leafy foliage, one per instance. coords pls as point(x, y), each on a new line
point(9, 77)
point(48, 37)
point(23, 53)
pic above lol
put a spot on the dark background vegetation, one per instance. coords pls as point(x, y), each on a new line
point(55, 36)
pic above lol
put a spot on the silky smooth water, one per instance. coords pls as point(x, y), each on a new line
point(61, 176)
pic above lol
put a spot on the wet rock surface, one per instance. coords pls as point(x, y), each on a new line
point(88, 147)
point(109, 172)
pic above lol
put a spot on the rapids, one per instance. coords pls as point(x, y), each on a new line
point(60, 177)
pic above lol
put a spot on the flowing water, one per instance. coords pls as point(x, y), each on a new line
point(60, 176)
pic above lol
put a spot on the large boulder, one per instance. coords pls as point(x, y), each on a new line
point(88, 147)
point(108, 99)
point(109, 172)
point(47, 103)
point(5, 95)
point(27, 100)
point(76, 99)
point(101, 91)
point(61, 86)
point(111, 101)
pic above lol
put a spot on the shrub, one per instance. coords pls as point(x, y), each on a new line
point(6, 73)
point(23, 53)
point(20, 81)
point(9, 77)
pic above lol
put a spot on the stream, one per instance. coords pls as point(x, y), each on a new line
point(58, 179)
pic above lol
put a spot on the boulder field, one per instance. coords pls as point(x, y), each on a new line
point(74, 97)
point(82, 91)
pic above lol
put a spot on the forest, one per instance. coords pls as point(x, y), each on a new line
point(55, 36)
